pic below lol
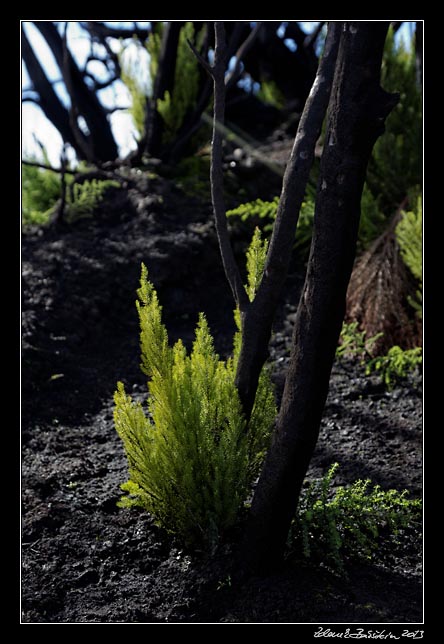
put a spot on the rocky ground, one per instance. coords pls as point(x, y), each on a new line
point(84, 559)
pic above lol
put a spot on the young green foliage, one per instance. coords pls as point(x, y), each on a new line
point(349, 522)
point(395, 365)
point(395, 166)
point(264, 411)
point(354, 343)
point(85, 197)
point(173, 108)
point(41, 189)
point(256, 256)
point(191, 460)
point(40, 192)
point(263, 213)
point(409, 237)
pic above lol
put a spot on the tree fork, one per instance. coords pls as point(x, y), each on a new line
point(357, 111)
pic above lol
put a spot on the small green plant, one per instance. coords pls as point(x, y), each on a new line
point(270, 94)
point(395, 166)
point(395, 365)
point(354, 343)
point(263, 213)
point(40, 192)
point(83, 198)
point(350, 521)
point(173, 108)
point(191, 460)
point(409, 237)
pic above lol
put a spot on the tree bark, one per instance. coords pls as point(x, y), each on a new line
point(258, 318)
point(164, 82)
point(357, 111)
point(101, 138)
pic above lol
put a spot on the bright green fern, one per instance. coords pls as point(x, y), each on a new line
point(263, 213)
point(395, 365)
point(191, 460)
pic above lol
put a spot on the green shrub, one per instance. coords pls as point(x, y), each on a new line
point(40, 192)
point(409, 237)
point(349, 522)
point(191, 460)
point(173, 108)
point(83, 198)
point(396, 364)
point(354, 343)
point(263, 214)
point(395, 166)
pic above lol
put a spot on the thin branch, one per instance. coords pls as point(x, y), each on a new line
point(216, 172)
point(98, 85)
point(31, 99)
point(243, 49)
point(117, 108)
point(44, 166)
point(200, 59)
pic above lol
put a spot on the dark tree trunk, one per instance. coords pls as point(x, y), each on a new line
point(100, 138)
point(258, 318)
point(164, 82)
point(357, 111)
point(48, 99)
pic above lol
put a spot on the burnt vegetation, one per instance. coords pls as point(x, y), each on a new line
point(277, 218)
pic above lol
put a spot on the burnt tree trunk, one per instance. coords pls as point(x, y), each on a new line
point(100, 138)
point(48, 99)
point(164, 82)
point(357, 111)
point(257, 318)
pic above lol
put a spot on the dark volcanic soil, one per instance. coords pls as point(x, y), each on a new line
point(84, 559)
